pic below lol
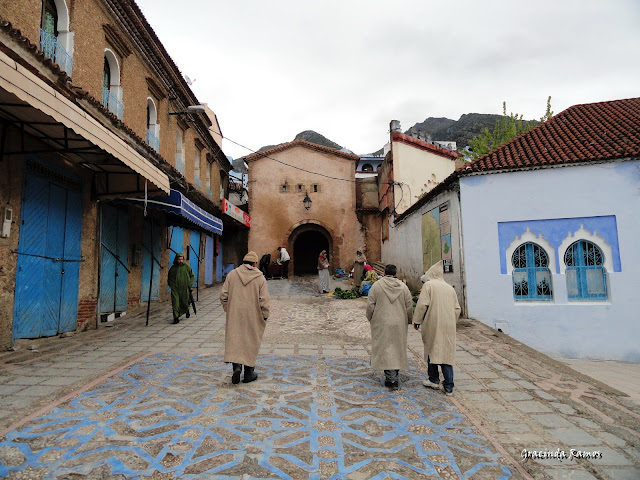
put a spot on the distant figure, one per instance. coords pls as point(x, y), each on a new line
point(438, 310)
point(358, 267)
point(389, 309)
point(245, 299)
point(180, 279)
point(323, 272)
point(264, 264)
point(284, 260)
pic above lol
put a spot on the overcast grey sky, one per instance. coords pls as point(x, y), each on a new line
point(345, 68)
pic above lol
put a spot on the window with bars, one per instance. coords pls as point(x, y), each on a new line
point(531, 275)
point(586, 277)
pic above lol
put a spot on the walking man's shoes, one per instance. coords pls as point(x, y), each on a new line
point(430, 384)
point(175, 320)
point(188, 315)
point(237, 370)
point(249, 375)
point(391, 385)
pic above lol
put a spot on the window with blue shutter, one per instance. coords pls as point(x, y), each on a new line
point(531, 275)
point(586, 277)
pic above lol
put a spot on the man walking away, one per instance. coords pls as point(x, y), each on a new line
point(438, 310)
point(389, 308)
point(180, 279)
point(245, 299)
point(284, 260)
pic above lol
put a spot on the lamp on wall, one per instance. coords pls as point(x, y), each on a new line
point(190, 109)
point(306, 201)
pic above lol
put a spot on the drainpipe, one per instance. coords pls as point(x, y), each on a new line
point(462, 269)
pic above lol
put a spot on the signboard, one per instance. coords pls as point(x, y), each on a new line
point(234, 212)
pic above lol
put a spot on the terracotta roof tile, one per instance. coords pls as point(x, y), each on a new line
point(582, 133)
point(300, 143)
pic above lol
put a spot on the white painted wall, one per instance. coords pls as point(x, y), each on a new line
point(603, 329)
point(404, 247)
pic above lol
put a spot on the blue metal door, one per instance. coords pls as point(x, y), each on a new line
point(208, 260)
point(150, 244)
point(114, 270)
point(194, 256)
point(219, 266)
point(177, 243)
point(47, 280)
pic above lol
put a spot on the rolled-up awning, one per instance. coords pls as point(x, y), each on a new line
point(177, 204)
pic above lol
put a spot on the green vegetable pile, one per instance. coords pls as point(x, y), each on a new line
point(346, 294)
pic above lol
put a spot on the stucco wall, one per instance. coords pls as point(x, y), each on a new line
point(274, 214)
point(419, 171)
point(582, 329)
point(405, 245)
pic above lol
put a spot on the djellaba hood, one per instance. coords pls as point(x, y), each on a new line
point(434, 272)
point(392, 287)
point(247, 273)
point(175, 259)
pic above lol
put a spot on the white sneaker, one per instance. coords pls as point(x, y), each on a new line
point(430, 384)
point(448, 394)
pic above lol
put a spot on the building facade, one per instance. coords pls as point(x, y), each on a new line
point(97, 137)
point(280, 179)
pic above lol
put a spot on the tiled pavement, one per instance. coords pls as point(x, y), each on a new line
point(131, 401)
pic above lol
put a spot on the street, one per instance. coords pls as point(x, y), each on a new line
point(129, 401)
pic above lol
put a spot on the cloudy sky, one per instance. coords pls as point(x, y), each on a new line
point(345, 68)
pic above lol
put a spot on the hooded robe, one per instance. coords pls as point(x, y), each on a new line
point(245, 299)
point(439, 323)
point(180, 279)
point(389, 309)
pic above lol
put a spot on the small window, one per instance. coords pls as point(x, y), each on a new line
point(531, 275)
point(586, 277)
point(367, 167)
point(283, 188)
point(315, 188)
point(300, 188)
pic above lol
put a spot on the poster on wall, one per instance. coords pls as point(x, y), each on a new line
point(436, 238)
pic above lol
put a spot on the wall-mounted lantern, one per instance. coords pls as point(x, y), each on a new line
point(306, 201)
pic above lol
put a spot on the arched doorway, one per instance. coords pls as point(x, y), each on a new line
point(307, 241)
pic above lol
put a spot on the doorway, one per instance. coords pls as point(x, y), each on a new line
point(307, 245)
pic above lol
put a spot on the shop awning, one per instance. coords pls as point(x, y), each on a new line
point(29, 101)
point(177, 204)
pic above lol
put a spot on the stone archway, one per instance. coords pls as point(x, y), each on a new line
point(305, 242)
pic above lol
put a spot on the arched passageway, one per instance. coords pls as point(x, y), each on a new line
point(308, 241)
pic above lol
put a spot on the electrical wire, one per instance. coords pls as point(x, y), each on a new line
point(287, 164)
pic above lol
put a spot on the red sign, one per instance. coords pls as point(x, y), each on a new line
point(234, 212)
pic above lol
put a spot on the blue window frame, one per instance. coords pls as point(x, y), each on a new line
point(531, 275)
point(586, 277)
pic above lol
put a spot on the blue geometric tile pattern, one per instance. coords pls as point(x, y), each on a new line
point(178, 416)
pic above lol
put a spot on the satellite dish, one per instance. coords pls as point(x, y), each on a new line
point(188, 80)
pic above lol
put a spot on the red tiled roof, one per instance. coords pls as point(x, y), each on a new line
point(300, 143)
point(582, 133)
point(422, 145)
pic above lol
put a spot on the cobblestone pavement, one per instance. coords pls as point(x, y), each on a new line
point(129, 401)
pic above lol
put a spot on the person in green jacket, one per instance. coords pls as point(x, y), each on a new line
point(181, 278)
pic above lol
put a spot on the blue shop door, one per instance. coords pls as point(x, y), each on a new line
point(219, 266)
point(194, 255)
point(208, 260)
point(150, 243)
point(47, 280)
point(177, 243)
point(114, 264)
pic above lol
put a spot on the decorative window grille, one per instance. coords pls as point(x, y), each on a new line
point(196, 169)
point(109, 99)
point(531, 275)
point(586, 277)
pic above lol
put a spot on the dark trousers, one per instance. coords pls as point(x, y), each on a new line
point(447, 373)
point(285, 268)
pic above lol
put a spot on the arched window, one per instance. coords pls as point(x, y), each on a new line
point(367, 167)
point(531, 275)
point(111, 90)
point(153, 129)
point(56, 42)
point(586, 278)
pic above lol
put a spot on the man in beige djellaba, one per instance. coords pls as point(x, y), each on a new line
point(438, 311)
point(389, 308)
point(245, 300)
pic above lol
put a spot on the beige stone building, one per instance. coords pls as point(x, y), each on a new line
point(281, 178)
point(95, 128)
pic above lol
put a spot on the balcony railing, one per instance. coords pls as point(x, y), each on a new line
point(52, 49)
point(153, 141)
point(111, 102)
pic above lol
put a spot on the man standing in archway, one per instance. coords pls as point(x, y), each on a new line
point(284, 260)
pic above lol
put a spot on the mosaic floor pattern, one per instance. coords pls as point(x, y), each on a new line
point(178, 416)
